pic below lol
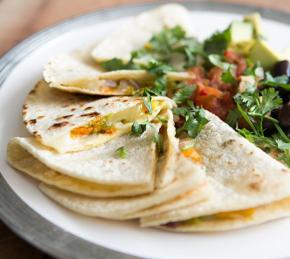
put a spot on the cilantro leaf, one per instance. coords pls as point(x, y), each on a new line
point(195, 120)
point(138, 129)
point(217, 61)
point(183, 94)
point(162, 42)
point(279, 81)
point(233, 118)
point(285, 157)
point(270, 101)
point(113, 64)
point(148, 102)
point(157, 68)
point(218, 42)
point(158, 139)
point(121, 152)
point(228, 77)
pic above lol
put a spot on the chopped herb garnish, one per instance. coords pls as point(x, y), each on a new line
point(255, 108)
point(148, 103)
point(157, 138)
point(113, 64)
point(121, 152)
point(279, 81)
point(227, 77)
point(194, 120)
point(233, 118)
point(183, 94)
point(218, 42)
point(138, 129)
point(217, 60)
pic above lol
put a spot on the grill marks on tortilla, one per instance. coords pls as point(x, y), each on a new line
point(64, 117)
point(92, 114)
point(58, 125)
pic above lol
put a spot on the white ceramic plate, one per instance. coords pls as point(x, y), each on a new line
point(69, 233)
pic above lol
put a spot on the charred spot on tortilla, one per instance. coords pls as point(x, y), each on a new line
point(92, 114)
point(32, 121)
point(228, 143)
point(88, 108)
point(256, 186)
point(73, 109)
point(40, 117)
point(36, 134)
point(58, 125)
point(32, 91)
point(64, 117)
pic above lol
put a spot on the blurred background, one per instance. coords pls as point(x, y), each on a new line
point(21, 18)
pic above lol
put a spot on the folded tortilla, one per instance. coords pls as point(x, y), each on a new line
point(96, 172)
point(67, 122)
point(76, 72)
point(135, 33)
point(197, 195)
point(233, 220)
point(79, 71)
point(241, 175)
point(188, 178)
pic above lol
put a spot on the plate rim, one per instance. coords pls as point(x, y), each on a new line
point(14, 212)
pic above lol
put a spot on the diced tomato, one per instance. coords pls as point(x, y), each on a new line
point(197, 74)
point(215, 77)
point(214, 100)
point(237, 59)
point(206, 93)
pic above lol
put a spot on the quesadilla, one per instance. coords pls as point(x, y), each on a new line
point(136, 33)
point(95, 172)
point(82, 71)
point(77, 72)
point(233, 220)
point(241, 175)
point(67, 122)
point(200, 194)
point(188, 178)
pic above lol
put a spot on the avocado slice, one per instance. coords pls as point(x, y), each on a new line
point(241, 32)
point(255, 20)
point(262, 52)
point(242, 36)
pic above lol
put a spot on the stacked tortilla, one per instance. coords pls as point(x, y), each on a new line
point(218, 181)
point(72, 150)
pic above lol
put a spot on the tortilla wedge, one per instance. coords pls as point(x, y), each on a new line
point(76, 72)
point(241, 175)
point(187, 179)
point(134, 34)
point(233, 220)
point(80, 70)
point(200, 194)
point(96, 172)
point(68, 123)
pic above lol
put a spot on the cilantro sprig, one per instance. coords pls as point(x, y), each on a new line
point(194, 120)
point(255, 108)
point(138, 128)
point(218, 42)
point(279, 81)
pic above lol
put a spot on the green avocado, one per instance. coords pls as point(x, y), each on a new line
point(255, 20)
point(241, 32)
point(262, 53)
